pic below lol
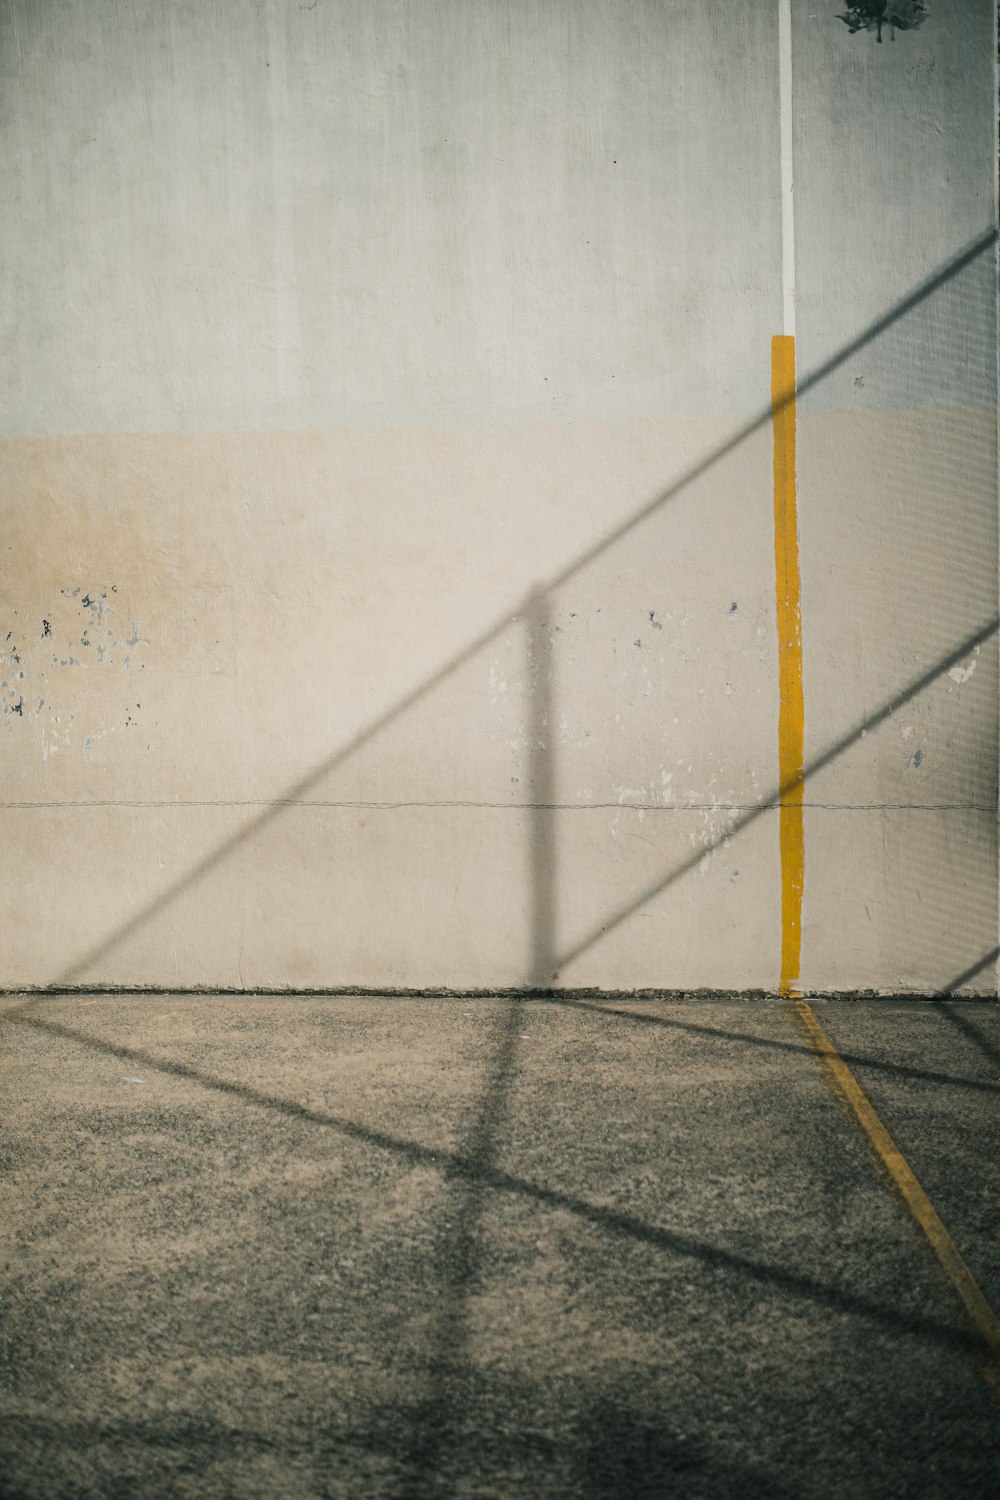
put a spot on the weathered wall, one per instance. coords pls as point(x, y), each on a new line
point(387, 496)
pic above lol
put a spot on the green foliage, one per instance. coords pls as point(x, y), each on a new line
point(864, 14)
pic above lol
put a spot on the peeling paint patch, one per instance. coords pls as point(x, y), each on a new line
point(29, 678)
point(962, 674)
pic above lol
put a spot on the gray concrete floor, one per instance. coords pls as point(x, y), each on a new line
point(265, 1246)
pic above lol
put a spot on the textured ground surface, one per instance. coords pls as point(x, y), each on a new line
point(350, 1247)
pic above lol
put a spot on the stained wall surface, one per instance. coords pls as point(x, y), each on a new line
point(388, 587)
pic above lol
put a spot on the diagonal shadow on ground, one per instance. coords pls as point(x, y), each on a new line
point(477, 1165)
point(853, 1059)
point(961, 1022)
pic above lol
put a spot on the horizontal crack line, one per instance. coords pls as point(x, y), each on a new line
point(645, 807)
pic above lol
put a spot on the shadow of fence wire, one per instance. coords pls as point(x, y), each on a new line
point(766, 804)
point(434, 1435)
point(474, 1173)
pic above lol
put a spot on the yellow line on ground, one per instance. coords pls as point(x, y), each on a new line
point(849, 1093)
point(791, 709)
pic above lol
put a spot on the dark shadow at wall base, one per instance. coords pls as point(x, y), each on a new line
point(508, 992)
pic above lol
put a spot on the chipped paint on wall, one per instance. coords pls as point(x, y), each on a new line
point(962, 674)
point(74, 630)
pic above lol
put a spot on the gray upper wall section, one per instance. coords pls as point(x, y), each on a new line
point(895, 163)
point(227, 215)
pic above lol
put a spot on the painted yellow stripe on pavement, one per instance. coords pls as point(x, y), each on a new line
point(791, 707)
point(847, 1090)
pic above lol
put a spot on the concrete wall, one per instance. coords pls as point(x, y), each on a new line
point(388, 540)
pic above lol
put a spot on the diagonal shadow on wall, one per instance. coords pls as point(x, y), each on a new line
point(78, 972)
point(817, 764)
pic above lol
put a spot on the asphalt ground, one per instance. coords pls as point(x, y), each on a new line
point(312, 1247)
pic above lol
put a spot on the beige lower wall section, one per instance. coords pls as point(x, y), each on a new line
point(390, 708)
point(397, 897)
point(316, 897)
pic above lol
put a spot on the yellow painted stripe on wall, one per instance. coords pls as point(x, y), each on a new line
point(791, 710)
point(848, 1091)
